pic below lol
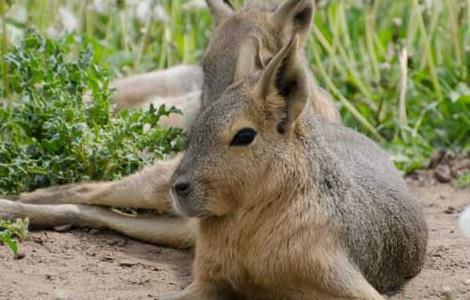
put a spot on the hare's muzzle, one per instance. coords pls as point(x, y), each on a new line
point(185, 197)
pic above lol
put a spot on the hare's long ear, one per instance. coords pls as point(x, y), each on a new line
point(294, 16)
point(249, 59)
point(282, 87)
point(220, 10)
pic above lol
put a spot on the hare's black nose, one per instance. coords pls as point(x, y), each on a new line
point(182, 188)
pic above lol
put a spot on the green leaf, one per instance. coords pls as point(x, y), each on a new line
point(7, 238)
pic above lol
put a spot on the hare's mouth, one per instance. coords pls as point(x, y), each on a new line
point(190, 206)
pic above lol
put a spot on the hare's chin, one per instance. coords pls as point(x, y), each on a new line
point(187, 212)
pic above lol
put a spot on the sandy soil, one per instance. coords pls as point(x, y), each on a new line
point(102, 265)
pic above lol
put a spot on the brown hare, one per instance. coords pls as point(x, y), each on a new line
point(243, 42)
point(291, 206)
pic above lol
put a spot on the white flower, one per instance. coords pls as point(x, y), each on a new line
point(195, 5)
point(159, 13)
point(19, 13)
point(68, 19)
point(464, 222)
point(52, 32)
point(99, 6)
point(144, 8)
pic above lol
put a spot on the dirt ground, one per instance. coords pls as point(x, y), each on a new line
point(102, 265)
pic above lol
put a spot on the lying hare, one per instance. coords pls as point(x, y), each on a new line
point(290, 206)
point(242, 43)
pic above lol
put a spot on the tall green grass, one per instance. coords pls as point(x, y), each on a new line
point(399, 69)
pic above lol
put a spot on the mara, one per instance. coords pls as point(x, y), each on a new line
point(290, 206)
point(280, 200)
point(256, 34)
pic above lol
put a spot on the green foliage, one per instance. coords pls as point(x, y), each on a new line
point(49, 134)
point(10, 232)
point(7, 238)
point(464, 179)
point(17, 228)
point(354, 51)
point(447, 295)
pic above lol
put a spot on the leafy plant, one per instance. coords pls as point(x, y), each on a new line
point(464, 179)
point(399, 69)
point(50, 133)
point(7, 238)
point(10, 232)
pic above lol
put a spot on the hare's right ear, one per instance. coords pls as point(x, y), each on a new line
point(220, 10)
point(282, 88)
point(294, 16)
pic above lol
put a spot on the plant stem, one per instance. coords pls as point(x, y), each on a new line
point(348, 105)
point(144, 40)
point(403, 60)
point(4, 48)
point(428, 51)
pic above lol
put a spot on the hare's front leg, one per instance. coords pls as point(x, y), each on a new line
point(177, 232)
point(206, 291)
point(147, 189)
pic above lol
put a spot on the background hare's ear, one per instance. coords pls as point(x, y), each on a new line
point(282, 87)
point(294, 16)
point(249, 59)
point(220, 10)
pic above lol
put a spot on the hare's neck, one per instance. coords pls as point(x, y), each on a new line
point(293, 195)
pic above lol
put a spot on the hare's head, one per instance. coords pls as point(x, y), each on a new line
point(243, 42)
point(243, 144)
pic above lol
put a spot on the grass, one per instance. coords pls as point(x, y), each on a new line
point(11, 232)
point(399, 69)
point(464, 179)
point(49, 132)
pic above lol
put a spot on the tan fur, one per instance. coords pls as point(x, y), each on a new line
point(246, 40)
point(189, 104)
point(252, 49)
point(138, 90)
point(163, 230)
point(242, 43)
point(268, 224)
point(293, 213)
point(135, 191)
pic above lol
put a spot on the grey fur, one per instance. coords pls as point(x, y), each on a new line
point(318, 176)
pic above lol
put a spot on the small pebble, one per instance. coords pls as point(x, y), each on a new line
point(107, 258)
point(464, 222)
point(117, 242)
point(450, 210)
point(93, 231)
point(60, 294)
point(442, 173)
point(63, 228)
point(127, 264)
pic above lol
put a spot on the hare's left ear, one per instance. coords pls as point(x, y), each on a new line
point(283, 86)
point(220, 10)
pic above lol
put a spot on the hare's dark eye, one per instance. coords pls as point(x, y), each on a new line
point(244, 137)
